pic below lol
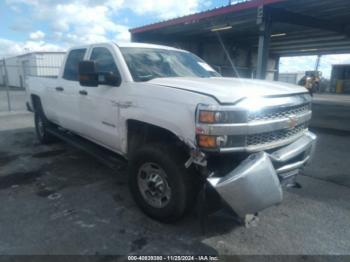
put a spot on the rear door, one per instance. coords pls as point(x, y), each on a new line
point(66, 92)
point(99, 110)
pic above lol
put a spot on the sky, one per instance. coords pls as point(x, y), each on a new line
point(55, 25)
point(308, 63)
point(52, 25)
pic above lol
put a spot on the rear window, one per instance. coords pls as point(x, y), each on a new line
point(71, 67)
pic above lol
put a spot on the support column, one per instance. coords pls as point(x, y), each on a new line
point(264, 23)
point(248, 63)
point(277, 68)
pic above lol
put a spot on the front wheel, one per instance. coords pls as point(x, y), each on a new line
point(160, 184)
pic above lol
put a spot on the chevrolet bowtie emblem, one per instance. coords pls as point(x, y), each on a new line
point(293, 121)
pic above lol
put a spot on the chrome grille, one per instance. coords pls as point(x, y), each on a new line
point(279, 121)
point(278, 113)
point(275, 136)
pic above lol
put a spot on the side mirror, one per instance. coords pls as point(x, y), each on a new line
point(89, 77)
point(87, 73)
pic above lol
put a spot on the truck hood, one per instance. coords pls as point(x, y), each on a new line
point(229, 90)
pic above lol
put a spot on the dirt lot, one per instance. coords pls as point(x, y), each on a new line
point(57, 200)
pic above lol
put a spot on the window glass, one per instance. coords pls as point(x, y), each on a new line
point(71, 67)
point(104, 60)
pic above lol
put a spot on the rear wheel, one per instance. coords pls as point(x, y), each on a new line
point(160, 184)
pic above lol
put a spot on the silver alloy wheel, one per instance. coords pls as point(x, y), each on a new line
point(153, 185)
point(40, 124)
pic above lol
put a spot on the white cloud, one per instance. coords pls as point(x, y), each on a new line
point(160, 8)
point(163, 9)
point(12, 48)
point(37, 35)
point(306, 63)
point(336, 59)
point(297, 64)
point(81, 22)
point(328, 60)
point(92, 19)
point(73, 22)
point(123, 34)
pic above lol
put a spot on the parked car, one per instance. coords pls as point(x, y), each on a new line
point(179, 124)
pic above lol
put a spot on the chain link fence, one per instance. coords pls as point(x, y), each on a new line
point(14, 73)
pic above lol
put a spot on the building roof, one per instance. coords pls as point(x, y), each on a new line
point(41, 53)
point(300, 27)
point(243, 5)
point(35, 52)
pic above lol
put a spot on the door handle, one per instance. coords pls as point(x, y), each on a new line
point(59, 89)
point(83, 92)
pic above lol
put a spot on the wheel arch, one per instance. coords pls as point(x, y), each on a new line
point(140, 133)
point(35, 101)
point(37, 105)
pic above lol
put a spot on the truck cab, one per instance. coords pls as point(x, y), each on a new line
point(179, 124)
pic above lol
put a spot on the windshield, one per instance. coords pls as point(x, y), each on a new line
point(148, 63)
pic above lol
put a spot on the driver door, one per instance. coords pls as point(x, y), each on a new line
point(99, 110)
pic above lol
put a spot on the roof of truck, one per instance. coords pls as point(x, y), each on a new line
point(129, 44)
point(144, 45)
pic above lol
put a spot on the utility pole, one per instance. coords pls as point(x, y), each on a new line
point(317, 65)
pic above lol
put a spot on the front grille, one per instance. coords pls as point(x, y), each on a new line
point(278, 113)
point(275, 136)
point(268, 128)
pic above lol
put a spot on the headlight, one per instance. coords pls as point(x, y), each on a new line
point(211, 117)
point(221, 117)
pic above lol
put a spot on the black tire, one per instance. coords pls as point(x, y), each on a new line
point(180, 180)
point(41, 126)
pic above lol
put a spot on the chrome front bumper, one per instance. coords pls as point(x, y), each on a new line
point(256, 183)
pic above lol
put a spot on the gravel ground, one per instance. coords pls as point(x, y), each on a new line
point(57, 200)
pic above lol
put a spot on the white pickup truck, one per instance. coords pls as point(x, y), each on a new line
point(179, 124)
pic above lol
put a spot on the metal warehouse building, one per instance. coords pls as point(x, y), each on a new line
point(36, 64)
point(256, 33)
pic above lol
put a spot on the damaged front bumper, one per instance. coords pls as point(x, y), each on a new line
point(257, 182)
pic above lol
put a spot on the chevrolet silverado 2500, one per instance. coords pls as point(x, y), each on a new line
point(179, 124)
